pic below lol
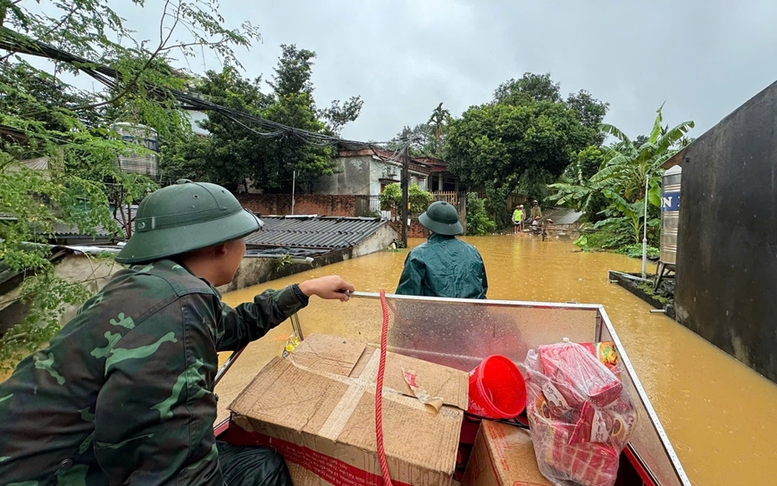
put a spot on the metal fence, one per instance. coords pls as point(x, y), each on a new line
point(369, 206)
point(450, 197)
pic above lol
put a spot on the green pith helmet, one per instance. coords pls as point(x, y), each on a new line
point(441, 218)
point(184, 217)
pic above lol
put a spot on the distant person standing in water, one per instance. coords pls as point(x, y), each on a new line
point(518, 217)
point(536, 212)
point(443, 266)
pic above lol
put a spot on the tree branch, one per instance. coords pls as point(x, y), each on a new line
point(145, 66)
point(52, 29)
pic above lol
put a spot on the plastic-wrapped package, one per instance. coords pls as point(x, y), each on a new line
point(580, 415)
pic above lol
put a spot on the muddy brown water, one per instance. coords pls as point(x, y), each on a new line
point(718, 413)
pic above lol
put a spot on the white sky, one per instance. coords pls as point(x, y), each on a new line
point(703, 58)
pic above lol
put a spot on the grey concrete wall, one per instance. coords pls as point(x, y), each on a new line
point(92, 272)
point(353, 177)
point(379, 241)
point(726, 283)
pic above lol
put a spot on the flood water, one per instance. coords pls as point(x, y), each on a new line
point(718, 414)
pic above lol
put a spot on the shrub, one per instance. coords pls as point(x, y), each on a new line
point(478, 222)
point(635, 251)
point(391, 198)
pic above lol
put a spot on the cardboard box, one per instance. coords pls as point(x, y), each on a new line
point(317, 408)
point(503, 455)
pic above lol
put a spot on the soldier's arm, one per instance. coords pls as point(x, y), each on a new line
point(247, 322)
point(153, 419)
point(250, 321)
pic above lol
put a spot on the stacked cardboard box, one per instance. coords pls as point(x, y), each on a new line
point(317, 409)
point(503, 455)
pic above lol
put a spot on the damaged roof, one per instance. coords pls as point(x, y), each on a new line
point(331, 232)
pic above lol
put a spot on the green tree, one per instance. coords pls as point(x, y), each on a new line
point(40, 116)
point(536, 87)
point(419, 138)
point(590, 112)
point(575, 179)
point(523, 140)
point(629, 165)
point(438, 123)
point(229, 153)
point(391, 198)
point(234, 151)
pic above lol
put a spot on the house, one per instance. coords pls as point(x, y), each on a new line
point(368, 171)
point(440, 180)
point(146, 164)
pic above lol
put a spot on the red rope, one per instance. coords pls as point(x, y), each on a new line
point(379, 393)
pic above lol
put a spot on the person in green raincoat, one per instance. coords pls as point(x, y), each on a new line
point(444, 266)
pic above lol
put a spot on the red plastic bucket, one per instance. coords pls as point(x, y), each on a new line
point(496, 389)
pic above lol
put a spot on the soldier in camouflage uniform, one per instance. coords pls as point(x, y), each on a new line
point(123, 394)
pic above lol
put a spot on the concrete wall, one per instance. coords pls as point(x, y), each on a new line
point(726, 283)
point(377, 242)
point(92, 272)
point(363, 176)
point(280, 204)
point(354, 177)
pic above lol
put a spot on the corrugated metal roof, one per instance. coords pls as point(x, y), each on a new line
point(41, 163)
point(65, 230)
point(562, 215)
point(332, 232)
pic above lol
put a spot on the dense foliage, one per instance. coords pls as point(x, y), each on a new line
point(478, 222)
point(233, 153)
point(614, 197)
point(425, 139)
point(522, 140)
point(419, 199)
point(70, 131)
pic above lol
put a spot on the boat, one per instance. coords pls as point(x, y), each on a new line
point(460, 333)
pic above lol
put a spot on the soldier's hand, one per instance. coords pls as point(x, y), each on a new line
point(329, 287)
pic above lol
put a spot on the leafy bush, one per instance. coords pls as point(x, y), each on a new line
point(635, 251)
point(613, 241)
point(478, 222)
point(607, 238)
point(391, 198)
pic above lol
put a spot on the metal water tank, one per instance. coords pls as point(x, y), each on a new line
point(670, 214)
point(146, 164)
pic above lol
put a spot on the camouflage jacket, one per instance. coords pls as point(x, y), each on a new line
point(124, 392)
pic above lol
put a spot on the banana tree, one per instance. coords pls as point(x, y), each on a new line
point(622, 213)
point(629, 165)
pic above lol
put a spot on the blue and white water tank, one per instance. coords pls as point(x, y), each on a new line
point(670, 214)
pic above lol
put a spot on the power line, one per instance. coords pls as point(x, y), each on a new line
point(14, 42)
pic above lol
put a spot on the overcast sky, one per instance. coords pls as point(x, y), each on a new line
point(703, 58)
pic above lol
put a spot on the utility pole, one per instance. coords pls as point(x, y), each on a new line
point(293, 185)
point(405, 184)
point(644, 225)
